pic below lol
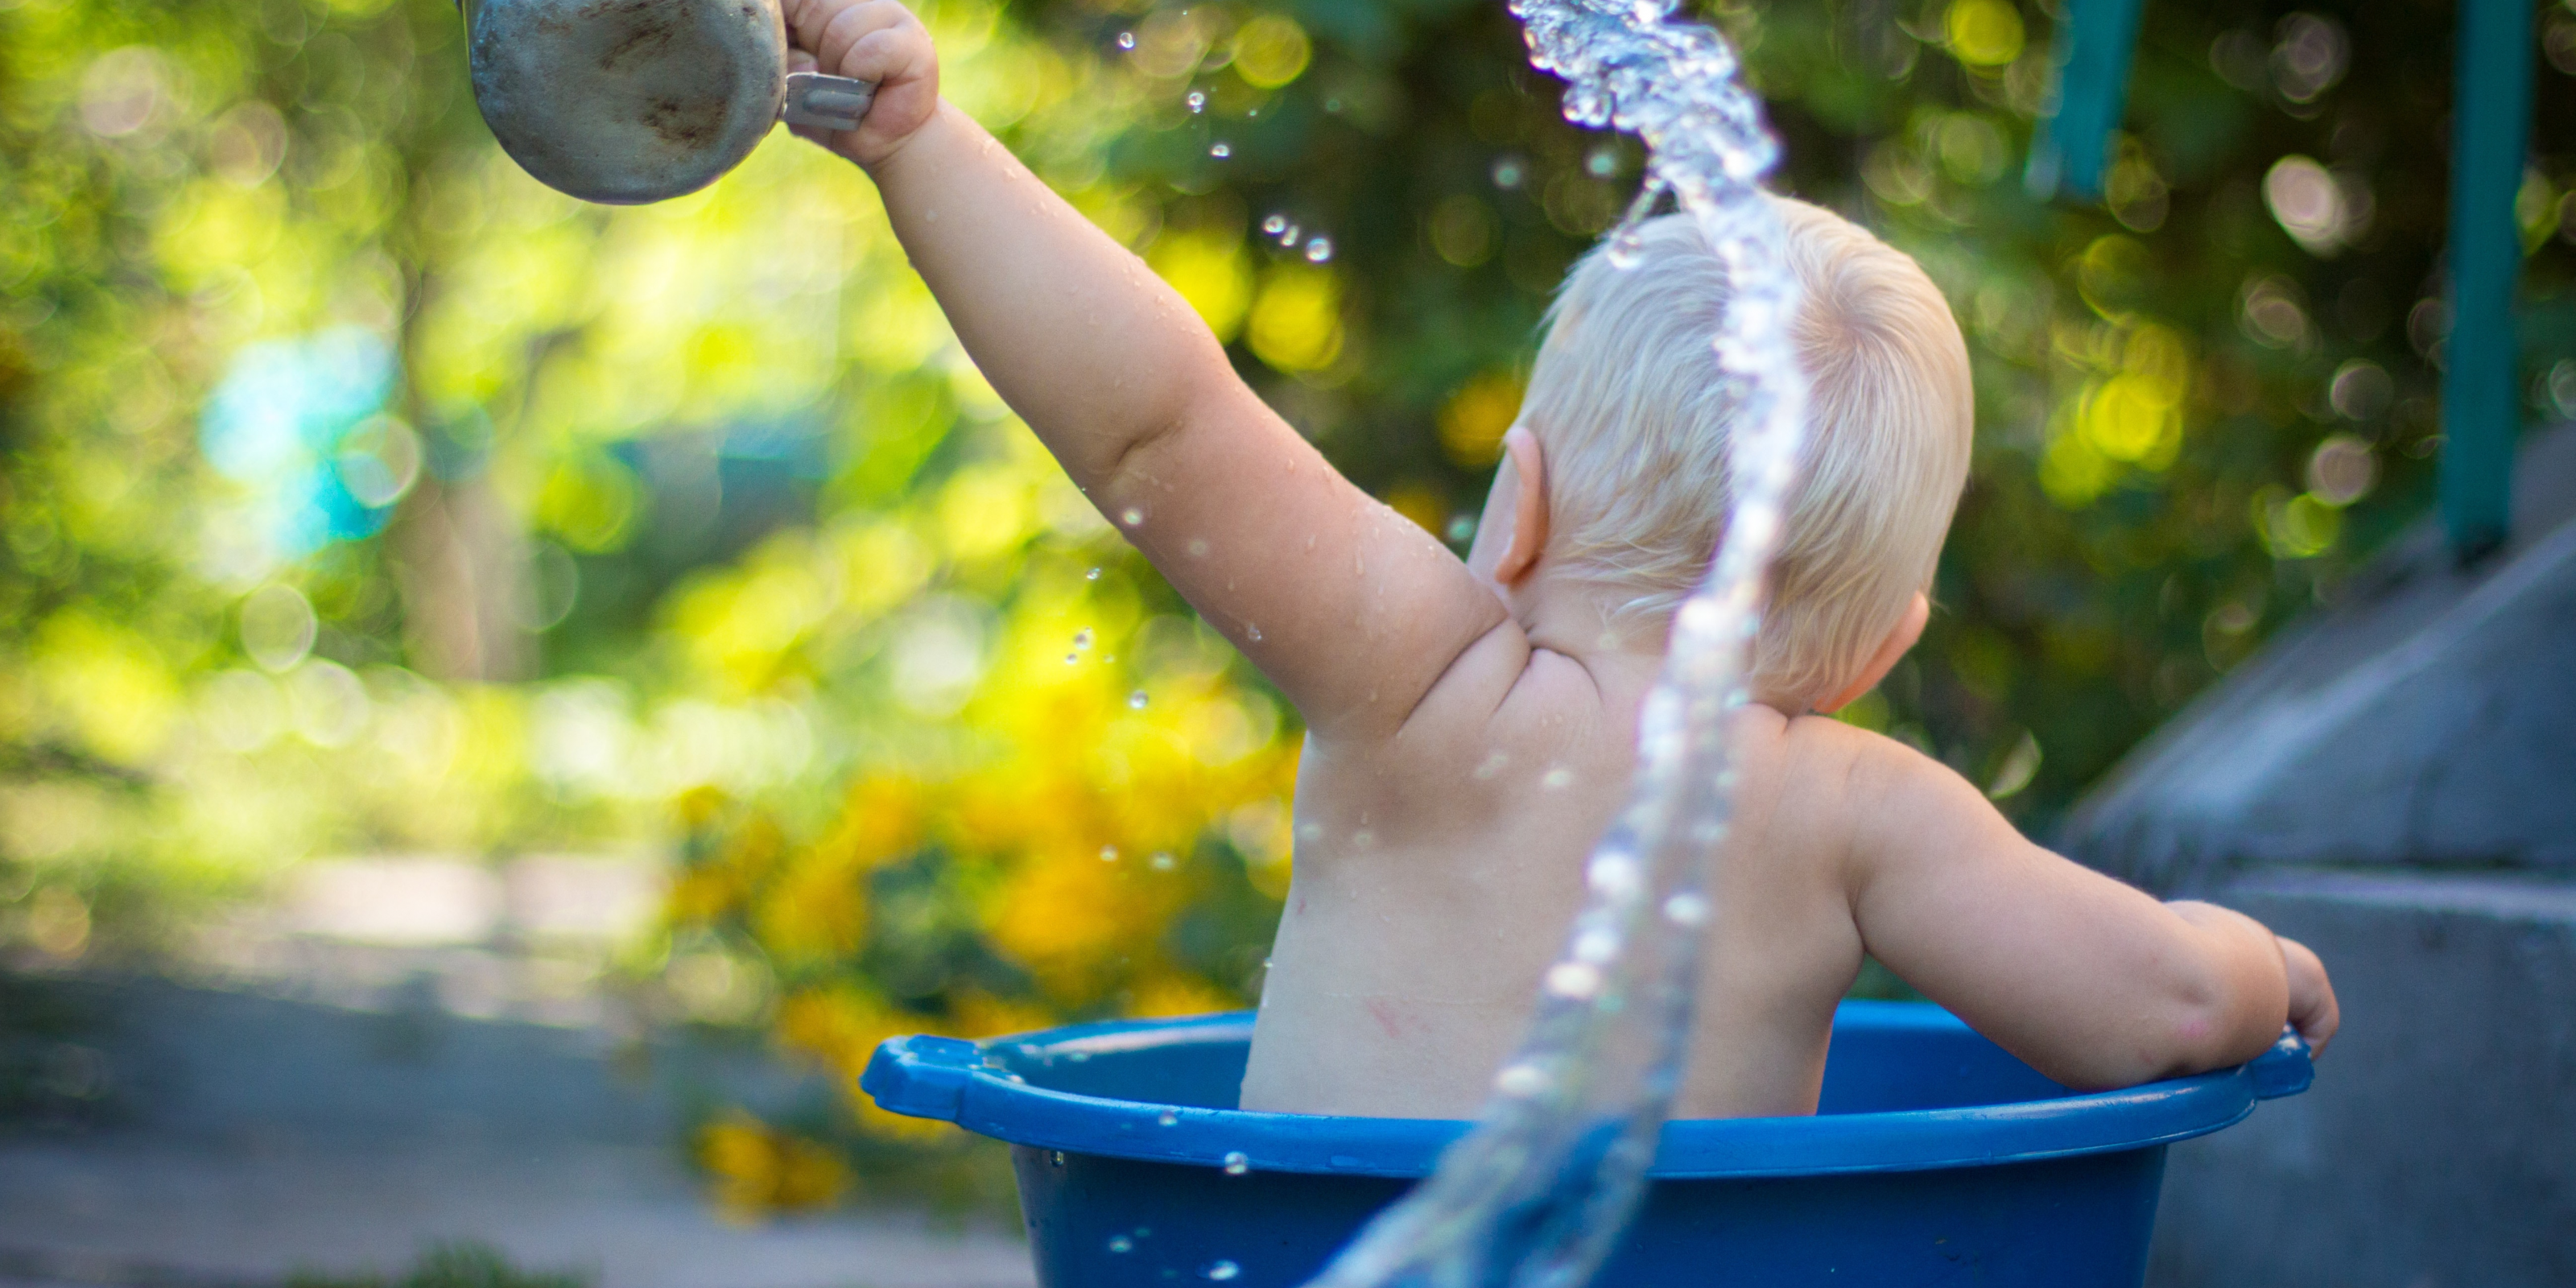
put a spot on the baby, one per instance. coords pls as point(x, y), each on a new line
point(1472, 725)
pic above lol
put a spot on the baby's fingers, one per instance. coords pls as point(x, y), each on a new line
point(831, 28)
point(2313, 1010)
point(890, 57)
point(878, 41)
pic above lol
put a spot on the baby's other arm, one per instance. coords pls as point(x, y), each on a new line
point(1352, 609)
point(2088, 980)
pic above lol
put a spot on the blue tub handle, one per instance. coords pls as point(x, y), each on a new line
point(2285, 1070)
point(923, 1076)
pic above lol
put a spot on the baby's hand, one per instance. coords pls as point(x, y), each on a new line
point(2312, 1001)
point(870, 40)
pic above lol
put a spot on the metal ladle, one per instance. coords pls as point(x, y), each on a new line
point(630, 101)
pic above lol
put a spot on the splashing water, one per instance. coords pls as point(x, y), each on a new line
point(1538, 1193)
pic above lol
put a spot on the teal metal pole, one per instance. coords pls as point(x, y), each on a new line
point(2481, 404)
point(2093, 51)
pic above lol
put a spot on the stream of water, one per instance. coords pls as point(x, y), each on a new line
point(1538, 1193)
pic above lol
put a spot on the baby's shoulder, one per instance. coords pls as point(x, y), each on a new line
point(1506, 703)
point(1818, 741)
point(1824, 764)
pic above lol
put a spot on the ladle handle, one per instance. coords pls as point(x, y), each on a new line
point(821, 102)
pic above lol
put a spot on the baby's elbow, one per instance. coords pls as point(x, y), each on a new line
point(2218, 1025)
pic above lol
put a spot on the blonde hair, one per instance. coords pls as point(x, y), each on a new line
point(1628, 404)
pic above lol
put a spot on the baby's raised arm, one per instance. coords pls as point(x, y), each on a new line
point(2090, 981)
point(1350, 608)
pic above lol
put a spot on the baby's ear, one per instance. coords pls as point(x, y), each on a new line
point(1527, 466)
point(1908, 629)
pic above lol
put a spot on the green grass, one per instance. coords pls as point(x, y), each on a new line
point(453, 1265)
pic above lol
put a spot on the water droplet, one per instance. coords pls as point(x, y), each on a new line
point(1126, 40)
point(1274, 225)
point(1220, 150)
point(1288, 235)
point(1071, 658)
point(1082, 638)
point(1236, 1164)
point(1319, 250)
point(1131, 516)
point(1556, 778)
point(1093, 575)
point(1522, 1080)
point(1160, 863)
point(1166, 1118)
point(1596, 945)
point(1686, 910)
point(1493, 765)
point(1197, 101)
point(1056, 1157)
point(1121, 1243)
point(1574, 979)
point(1109, 854)
point(1221, 1271)
point(1612, 873)
point(1136, 700)
point(1252, 632)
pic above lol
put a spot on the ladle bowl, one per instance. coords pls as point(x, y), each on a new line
point(631, 101)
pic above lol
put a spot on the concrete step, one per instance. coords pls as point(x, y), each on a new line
point(2438, 1146)
point(239, 1139)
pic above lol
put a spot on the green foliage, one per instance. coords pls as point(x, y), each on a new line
point(453, 1265)
point(2192, 423)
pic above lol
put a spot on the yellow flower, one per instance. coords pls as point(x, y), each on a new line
point(1209, 271)
point(1297, 322)
point(814, 913)
point(1076, 920)
point(1474, 419)
point(1984, 33)
point(701, 895)
point(759, 1170)
point(839, 1028)
point(1175, 993)
point(1271, 51)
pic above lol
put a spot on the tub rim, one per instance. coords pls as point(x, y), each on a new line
point(970, 1084)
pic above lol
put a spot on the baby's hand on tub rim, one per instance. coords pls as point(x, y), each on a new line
point(2312, 1001)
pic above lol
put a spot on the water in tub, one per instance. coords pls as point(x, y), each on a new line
point(1538, 1193)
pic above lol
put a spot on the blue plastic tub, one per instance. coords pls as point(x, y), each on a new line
point(1936, 1159)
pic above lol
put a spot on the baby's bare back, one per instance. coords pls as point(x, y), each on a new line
point(1437, 874)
